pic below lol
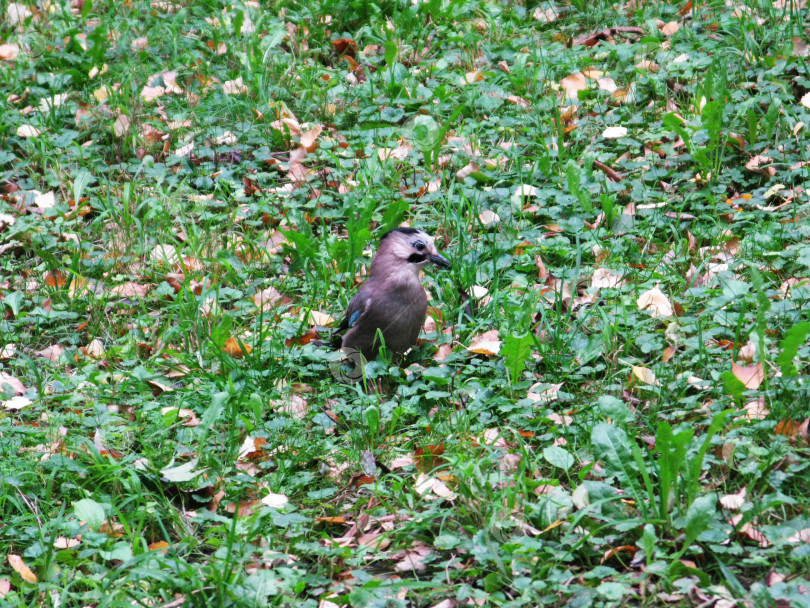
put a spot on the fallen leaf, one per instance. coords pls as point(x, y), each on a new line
point(614, 132)
point(486, 343)
point(131, 289)
point(668, 29)
point(488, 217)
point(16, 562)
point(95, 349)
point(16, 403)
point(121, 125)
point(267, 298)
point(605, 278)
point(26, 131)
point(750, 375)
point(646, 375)
point(276, 501)
point(62, 542)
point(9, 51)
point(573, 84)
point(655, 302)
point(733, 502)
point(465, 171)
point(52, 353)
point(236, 348)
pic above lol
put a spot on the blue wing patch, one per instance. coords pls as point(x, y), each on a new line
point(354, 317)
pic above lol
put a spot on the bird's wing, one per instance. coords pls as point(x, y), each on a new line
point(357, 308)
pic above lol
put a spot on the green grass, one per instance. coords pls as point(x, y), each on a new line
point(134, 461)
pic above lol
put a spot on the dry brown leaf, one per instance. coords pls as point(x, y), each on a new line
point(573, 84)
point(14, 383)
point(412, 559)
point(668, 29)
point(62, 542)
point(802, 536)
point(756, 410)
point(191, 417)
point(267, 298)
point(606, 278)
point(656, 302)
point(55, 278)
point(309, 140)
point(646, 64)
point(9, 51)
point(234, 87)
point(95, 349)
point(486, 343)
point(27, 131)
point(130, 289)
point(750, 375)
point(121, 125)
point(758, 163)
point(543, 393)
point(488, 217)
point(276, 501)
point(52, 353)
point(16, 403)
point(462, 173)
point(471, 77)
point(545, 15)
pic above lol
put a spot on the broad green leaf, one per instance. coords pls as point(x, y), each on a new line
point(794, 338)
point(559, 457)
point(183, 472)
point(516, 350)
point(90, 512)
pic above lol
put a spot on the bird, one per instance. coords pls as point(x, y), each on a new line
point(391, 302)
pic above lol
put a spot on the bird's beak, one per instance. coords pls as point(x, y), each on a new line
point(439, 260)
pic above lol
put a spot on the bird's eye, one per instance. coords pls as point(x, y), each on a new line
point(419, 246)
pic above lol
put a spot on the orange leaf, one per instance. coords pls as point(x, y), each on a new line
point(345, 45)
point(160, 545)
point(55, 278)
point(429, 457)
point(235, 348)
point(331, 520)
point(308, 337)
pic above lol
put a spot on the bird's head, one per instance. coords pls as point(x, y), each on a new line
point(403, 248)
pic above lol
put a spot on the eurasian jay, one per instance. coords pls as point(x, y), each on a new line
point(392, 300)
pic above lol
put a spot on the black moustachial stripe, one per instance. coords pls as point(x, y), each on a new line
point(417, 258)
point(402, 230)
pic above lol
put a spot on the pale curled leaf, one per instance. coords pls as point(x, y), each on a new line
point(655, 302)
point(486, 343)
point(276, 501)
point(646, 375)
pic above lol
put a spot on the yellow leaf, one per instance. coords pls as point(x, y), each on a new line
point(646, 375)
point(16, 562)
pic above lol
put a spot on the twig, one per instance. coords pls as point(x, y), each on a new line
point(612, 175)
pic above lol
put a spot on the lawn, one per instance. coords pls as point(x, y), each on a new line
point(610, 399)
